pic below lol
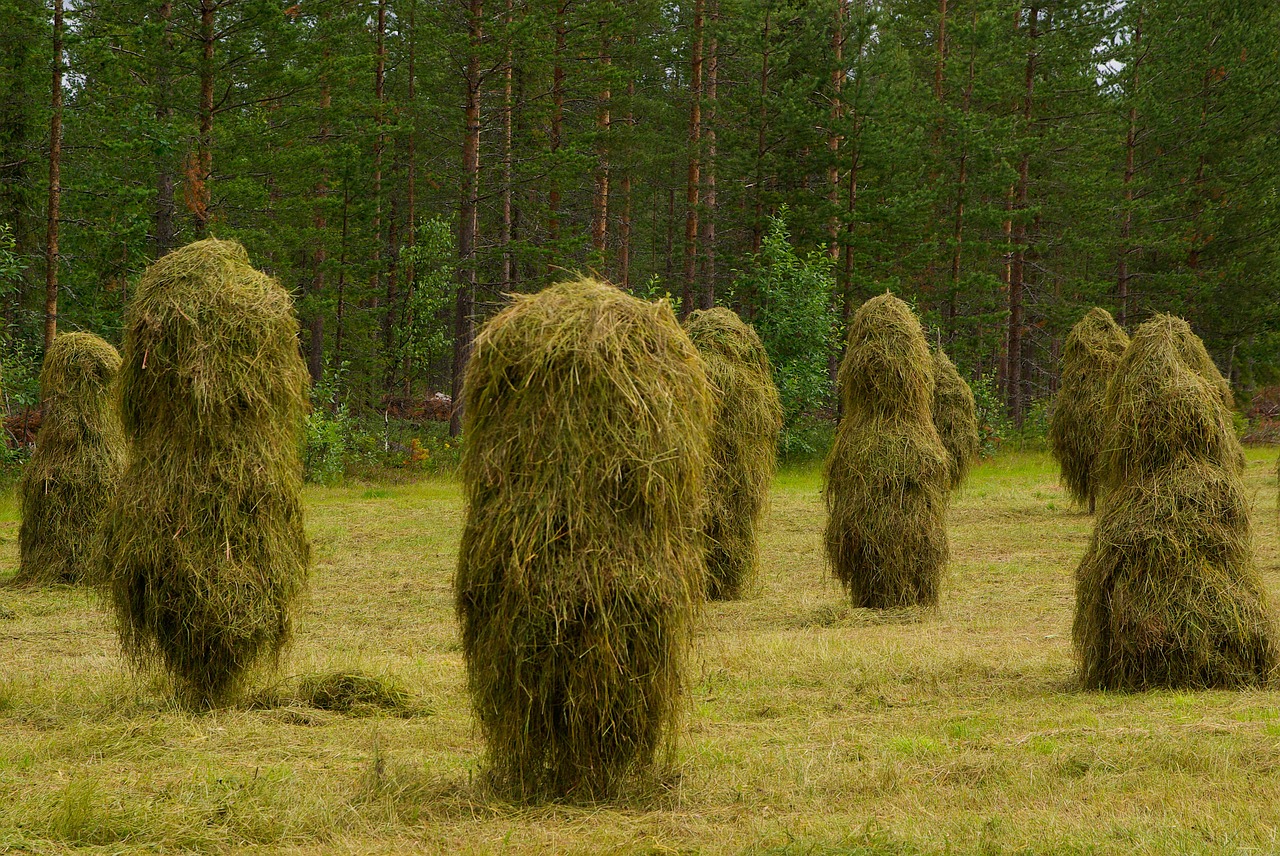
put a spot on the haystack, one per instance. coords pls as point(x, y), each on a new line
point(580, 568)
point(80, 453)
point(887, 474)
point(1093, 350)
point(1168, 594)
point(203, 547)
point(956, 418)
point(747, 417)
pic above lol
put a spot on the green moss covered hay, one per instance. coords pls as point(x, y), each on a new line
point(580, 568)
point(887, 474)
point(1089, 359)
point(203, 549)
point(80, 453)
point(747, 417)
point(1168, 594)
point(956, 418)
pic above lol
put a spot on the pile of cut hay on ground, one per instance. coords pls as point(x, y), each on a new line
point(1089, 358)
point(744, 446)
point(580, 567)
point(203, 552)
point(1168, 594)
point(887, 474)
point(79, 456)
point(956, 418)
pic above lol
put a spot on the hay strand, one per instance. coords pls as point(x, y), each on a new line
point(79, 456)
point(1089, 358)
point(887, 474)
point(580, 568)
point(956, 418)
point(747, 417)
point(1168, 594)
point(203, 551)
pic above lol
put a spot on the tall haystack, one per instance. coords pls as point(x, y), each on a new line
point(203, 551)
point(80, 453)
point(887, 474)
point(956, 418)
point(580, 569)
point(1093, 350)
point(1168, 594)
point(747, 417)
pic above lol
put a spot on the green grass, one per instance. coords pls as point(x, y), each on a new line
point(813, 728)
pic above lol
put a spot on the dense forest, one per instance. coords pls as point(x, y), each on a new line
point(401, 165)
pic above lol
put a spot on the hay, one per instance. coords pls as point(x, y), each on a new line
point(747, 417)
point(80, 453)
point(357, 693)
point(580, 568)
point(1168, 594)
point(956, 418)
point(887, 474)
point(1093, 350)
point(203, 550)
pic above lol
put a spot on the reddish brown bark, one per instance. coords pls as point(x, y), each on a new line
point(693, 179)
point(55, 185)
point(468, 225)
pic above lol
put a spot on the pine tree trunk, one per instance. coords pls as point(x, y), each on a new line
point(600, 198)
point(469, 216)
point(51, 255)
point(1017, 270)
point(1130, 145)
point(757, 225)
point(707, 293)
point(162, 231)
point(508, 107)
point(693, 179)
point(557, 124)
point(315, 326)
point(200, 173)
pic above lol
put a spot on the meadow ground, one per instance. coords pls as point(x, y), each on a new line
point(812, 727)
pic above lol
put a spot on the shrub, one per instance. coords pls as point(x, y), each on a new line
point(887, 476)
point(203, 548)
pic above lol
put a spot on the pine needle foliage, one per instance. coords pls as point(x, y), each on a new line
point(79, 456)
point(747, 417)
point(580, 570)
point(956, 417)
point(887, 474)
point(1168, 594)
point(203, 553)
point(1089, 358)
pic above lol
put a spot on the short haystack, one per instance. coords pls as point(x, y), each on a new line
point(580, 568)
point(744, 446)
point(956, 418)
point(1168, 594)
point(887, 474)
point(1093, 350)
point(203, 551)
point(80, 453)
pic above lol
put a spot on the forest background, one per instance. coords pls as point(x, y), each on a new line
point(401, 165)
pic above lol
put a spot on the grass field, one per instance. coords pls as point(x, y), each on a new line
point(812, 727)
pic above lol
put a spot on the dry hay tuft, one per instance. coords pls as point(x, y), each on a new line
point(956, 418)
point(1093, 350)
point(1168, 594)
point(580, 568)
point(356, 692)
point(747, 418)
point(887, 474)
point(203, 552)
point(79, 456)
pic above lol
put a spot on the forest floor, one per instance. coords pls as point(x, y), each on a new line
point(813, 728)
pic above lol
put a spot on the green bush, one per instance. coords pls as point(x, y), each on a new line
point(798, 326)
point(327, 436)
point(994, 425)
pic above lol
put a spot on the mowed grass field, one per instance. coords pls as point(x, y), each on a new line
point(812, 727)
